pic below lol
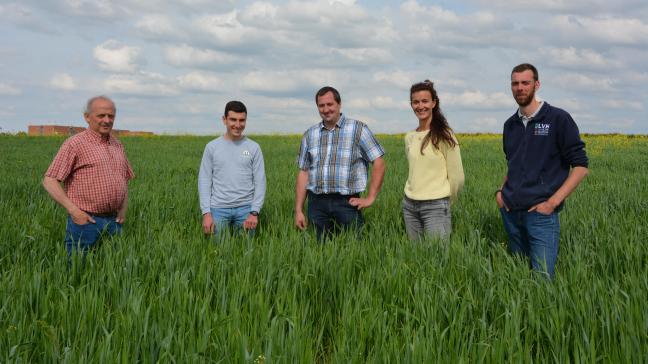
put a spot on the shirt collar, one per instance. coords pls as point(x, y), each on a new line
point(97, 137)
point(522, 116)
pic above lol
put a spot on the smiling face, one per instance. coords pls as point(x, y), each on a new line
point(101, 116)
point(235, 124)
point(329, 108)
point(523, 87)
point(422, 105)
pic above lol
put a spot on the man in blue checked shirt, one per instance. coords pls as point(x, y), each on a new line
point(333, 162)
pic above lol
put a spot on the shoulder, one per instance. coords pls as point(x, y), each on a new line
point(312, 132)
point(215, 142)
point(75, 141)
point(252, 144)
point(512, 118)
point(561, 118)
point(355, 123)
point(555, 111)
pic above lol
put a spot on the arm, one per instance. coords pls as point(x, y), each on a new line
point(576, 175)
point(498, 195)
point(300, 198)
point(258, 173)
point(456, 176)
point(53, 187)
point(121, 213)
point(204, 191)
point(377, 175)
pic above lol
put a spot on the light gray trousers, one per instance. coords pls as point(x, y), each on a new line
point(427, 217)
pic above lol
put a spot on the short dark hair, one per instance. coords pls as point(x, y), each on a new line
point(525, 67)
point(235, 106)
point(326, 89)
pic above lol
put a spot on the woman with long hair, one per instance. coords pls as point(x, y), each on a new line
point(436, 174)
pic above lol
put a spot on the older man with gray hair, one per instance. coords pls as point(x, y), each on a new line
point(94, 171)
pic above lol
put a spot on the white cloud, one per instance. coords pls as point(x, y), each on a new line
point(576, 58)
point(365, 55)
point(624, 104)
point(283, 82)
point(225, 28)
point(377, 102)
point(63, 81)
point(474, 99)
point(155, 25)
point(399, 79)
point(92, 8)
point(7, 89)
point(622, 31)
point(143, 84)
point(116, 57)
point(187, 56)
point(201, 81)
point(584, 82)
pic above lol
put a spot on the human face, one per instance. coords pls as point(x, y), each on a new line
point(329, 109)
point(523, 87)
point(101, 116)
point(235, 124)
point(422, 105)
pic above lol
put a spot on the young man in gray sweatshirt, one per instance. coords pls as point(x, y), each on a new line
point(231, 181)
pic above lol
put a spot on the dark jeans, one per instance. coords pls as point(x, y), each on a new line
point(332, 213)
point(534, 236)
point(84, 237)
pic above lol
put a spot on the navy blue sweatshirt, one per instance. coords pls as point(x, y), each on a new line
point(540, 156)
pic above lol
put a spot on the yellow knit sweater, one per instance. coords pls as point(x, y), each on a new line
point(438, 173)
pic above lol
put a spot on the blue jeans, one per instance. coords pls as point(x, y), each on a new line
point(227, 220)
point(535, 236)
point(332, 213)
point(87, 236)
point(427, 217)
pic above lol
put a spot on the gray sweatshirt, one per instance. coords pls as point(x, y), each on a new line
point(231, 174)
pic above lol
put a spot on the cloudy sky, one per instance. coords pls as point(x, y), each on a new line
point(171, 65)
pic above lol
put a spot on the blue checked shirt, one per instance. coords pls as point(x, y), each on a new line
point(337, 160)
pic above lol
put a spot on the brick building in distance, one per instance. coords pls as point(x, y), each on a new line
point(48, 130)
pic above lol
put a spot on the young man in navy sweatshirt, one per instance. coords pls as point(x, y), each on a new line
point(546, 162)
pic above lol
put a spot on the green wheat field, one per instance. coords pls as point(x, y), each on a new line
point(163, 292)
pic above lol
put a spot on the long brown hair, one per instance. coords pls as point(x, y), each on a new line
point(439, 128)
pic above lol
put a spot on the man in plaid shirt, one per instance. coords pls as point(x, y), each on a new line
point(333, 164)
point(94, 171)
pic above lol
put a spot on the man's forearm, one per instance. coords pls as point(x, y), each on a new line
point(377, 176)
point(124, 205)
point(300, 190)
point(576, 175)
point(53, 187)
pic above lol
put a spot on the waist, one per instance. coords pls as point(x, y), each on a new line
point(312, 194)
point(102, 214)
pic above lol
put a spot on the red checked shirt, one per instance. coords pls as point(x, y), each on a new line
point(94, 171)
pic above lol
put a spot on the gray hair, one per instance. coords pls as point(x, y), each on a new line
point(91, 100)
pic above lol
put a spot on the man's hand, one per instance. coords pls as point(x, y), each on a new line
point(300, 221)
point(545, 208)
point(121, 217)
point(208, 223)
point(500, 201)
point(361, 203)
point(251, 222)
point(80, 217)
